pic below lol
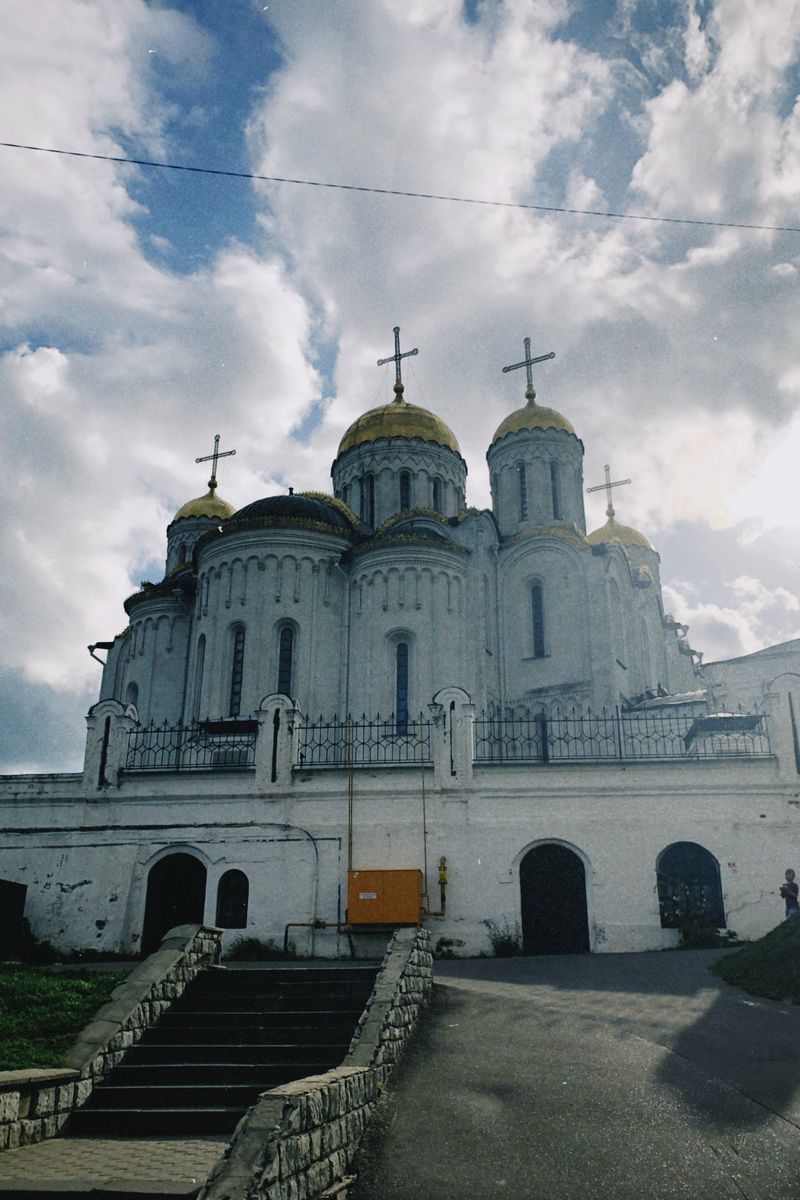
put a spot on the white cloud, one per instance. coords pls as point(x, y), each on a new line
point(676, 349)
point(755, 617)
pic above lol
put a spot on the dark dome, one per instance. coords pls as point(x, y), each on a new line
point(286, 509)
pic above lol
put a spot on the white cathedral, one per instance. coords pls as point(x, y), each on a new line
point(340, 712)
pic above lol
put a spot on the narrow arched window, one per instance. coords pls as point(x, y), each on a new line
point(523, 491)
point(537, 620)
point(237, 672)
point(198, 675)
point(437, 495)
point(401, 674)
point(345, 494)
point(368, 499)
point(405, 491)
point(232, 895)
point(132, 694)
point(554, 490)
point(285, 653)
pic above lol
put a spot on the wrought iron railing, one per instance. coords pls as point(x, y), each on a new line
point(363, 742)
point(614, 735)
point(200, 746)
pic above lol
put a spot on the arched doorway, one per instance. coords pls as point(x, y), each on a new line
point(176, 895)
point(687, 870)
point(552, 884)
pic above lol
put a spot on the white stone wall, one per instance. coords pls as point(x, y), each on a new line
point(535, 449)
point(85, 851)
point(385, 459)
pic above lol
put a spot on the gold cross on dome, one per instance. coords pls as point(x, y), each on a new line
point(527, 363)
point(213, 459)
point(395, 358)
point(607, 486)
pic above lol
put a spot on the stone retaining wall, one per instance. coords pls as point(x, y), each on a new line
point(298, 1141)
point(35, 1104)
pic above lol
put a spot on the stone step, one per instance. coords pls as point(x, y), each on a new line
point(223, 977)
point(239, 1052)
point(224, 1095)
point(156, 1122)
point(200, 1075)
point(181, 1027)
point(316, 1000)
point(230, 1037)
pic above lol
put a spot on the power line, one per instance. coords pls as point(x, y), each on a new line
point(353, 187)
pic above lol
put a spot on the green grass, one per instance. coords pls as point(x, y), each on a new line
point(41, 1014)
point(769, 967)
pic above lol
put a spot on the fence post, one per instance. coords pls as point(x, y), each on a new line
point(279, 720)
point(782, 707)
point(108, 724)
point(452, 737)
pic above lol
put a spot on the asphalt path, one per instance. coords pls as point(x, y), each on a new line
point(590, 1077)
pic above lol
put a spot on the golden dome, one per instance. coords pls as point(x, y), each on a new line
point(532, 416)
point(612, 532)
point(398, 419)
point(209, 505)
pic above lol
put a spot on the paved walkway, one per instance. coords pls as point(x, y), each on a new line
point(110, 1166)
point(606, 1077)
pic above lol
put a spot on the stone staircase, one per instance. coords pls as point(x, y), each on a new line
point(233, 1034)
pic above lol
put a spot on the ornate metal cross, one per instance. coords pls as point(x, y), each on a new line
point(395, 358)
point(528, 362)
point(213, 458)
point(607, 486)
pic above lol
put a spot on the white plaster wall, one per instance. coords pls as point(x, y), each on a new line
point(561, 570)
point(537, 448)
point(86, 862)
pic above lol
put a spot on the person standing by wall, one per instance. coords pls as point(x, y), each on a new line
point(789, 891)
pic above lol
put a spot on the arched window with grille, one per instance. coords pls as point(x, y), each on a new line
point(405, 491)
point(285, 660)
point(522, 484)
point(537, 620)
point(233, 893)
point(555, 492)
point(401, 687)
point(237, 672)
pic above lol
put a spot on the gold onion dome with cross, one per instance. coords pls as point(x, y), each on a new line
point(210, 505)
point(533, 415)
point(398, 419)
point(612, 531)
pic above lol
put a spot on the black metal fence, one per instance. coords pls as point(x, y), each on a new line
point(364, 742)
point(609, 735)
point(200, 746)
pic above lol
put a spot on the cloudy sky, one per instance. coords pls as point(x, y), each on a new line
point(144, 310)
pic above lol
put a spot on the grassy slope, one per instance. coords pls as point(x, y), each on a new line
point(41, 1014)
point(769, 967)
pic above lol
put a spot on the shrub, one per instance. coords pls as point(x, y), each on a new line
point(253, 949)
point(506, 940)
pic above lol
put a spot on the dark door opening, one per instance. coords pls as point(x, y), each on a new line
point(12, 906)
point(176, 895)
point(553, 890)
point(689, 886)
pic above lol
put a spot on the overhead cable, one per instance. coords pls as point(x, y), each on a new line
point(353, 187)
